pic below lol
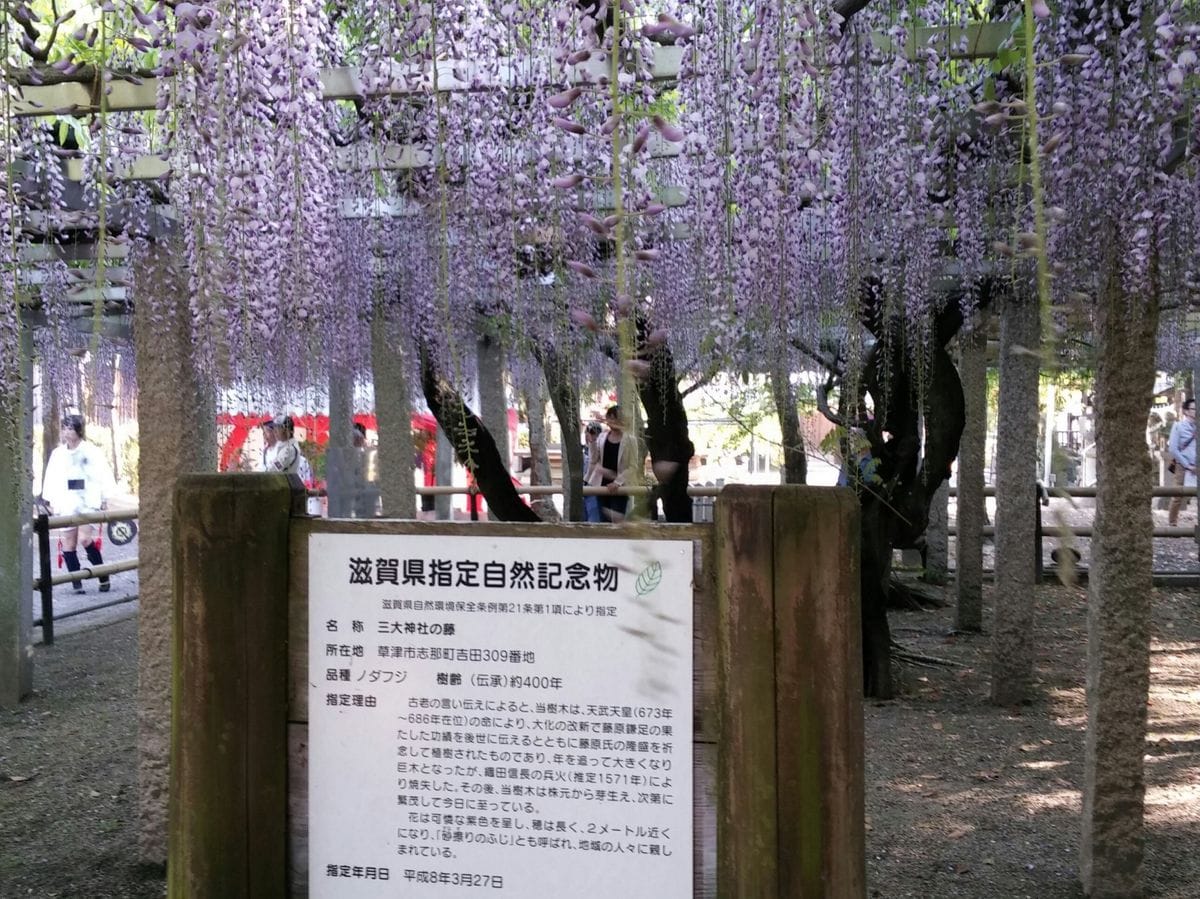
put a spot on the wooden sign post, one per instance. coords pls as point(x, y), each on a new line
point(776, 731)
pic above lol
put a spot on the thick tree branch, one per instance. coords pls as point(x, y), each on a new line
point(847, 10)
point(701, 381)
point(473, 445)
point(827, 362)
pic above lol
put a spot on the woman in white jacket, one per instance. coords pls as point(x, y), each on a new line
point(610, 464)
point(77, 480)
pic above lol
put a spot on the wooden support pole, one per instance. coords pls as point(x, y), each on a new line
point(790, 770)
point(747, 828)
point(818, 693)
point(228, 819)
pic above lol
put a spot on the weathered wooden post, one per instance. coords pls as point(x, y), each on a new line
point(790, 770)
point(229, 714)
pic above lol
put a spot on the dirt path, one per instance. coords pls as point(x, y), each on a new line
point(967, 800)
point(68, 782)
point(963, 799)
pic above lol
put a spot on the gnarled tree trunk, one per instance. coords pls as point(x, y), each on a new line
point(667, 439)
point(473, 446)
point(564, 397)
point(795, 460)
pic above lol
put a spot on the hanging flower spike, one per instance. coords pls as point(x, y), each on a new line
point(579, 56)
point(584, 320)
point(639, 368)
point(581, 268)
point(667, 130)
point(647, 255)
point(610, 124)
point(610, 221)
point(639, 140)
point(565, 99)
point(565, 182)
point(1040, 9)
point(654, 208)
point(569, 125)
point(624, 304)
point(594, 224)
point(657, 337)
point(1054, 142)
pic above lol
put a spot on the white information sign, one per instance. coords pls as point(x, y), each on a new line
point(500, 716)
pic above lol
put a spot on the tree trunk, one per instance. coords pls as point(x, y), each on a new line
point(795, 459)
point(474, 446)
point(443, 503)
point(667, 439)
point(969, 516)
point(51, 416)
point(1120, 588)
point(339, 480)
point(493, 399)
point(16, 570)
point(937, 537)
point(539, 458)
point(1016, 473)
point(564, 397)
point(167, 383)
point(393, 414)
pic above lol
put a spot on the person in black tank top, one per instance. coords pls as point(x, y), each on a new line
point(612, 474)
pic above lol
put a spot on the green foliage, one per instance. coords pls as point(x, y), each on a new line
point(315, 454)
point(130, 457)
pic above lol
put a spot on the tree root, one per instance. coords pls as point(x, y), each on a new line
point(900, 654)
point(913, 597)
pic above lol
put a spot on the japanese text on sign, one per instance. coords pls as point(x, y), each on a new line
point(497, 714)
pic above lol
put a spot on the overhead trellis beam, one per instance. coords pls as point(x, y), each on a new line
point(81, 275)
point(975, 40)
point(71, 252)
point(86, 296)
point(365, 157)
point(401, 207)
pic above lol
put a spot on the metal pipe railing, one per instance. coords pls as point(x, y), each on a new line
point(46, 581)
point(44, 524)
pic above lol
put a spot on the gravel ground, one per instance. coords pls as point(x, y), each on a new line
point(968, 800)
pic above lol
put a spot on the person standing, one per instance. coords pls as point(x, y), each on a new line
point(77, 480)
point(591, 504)
point(286, 457)
point(615, 452)
point(270, 441)
point(1182, 449)
point(366, 493)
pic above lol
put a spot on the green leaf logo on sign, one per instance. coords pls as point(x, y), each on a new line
point(649, 579)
